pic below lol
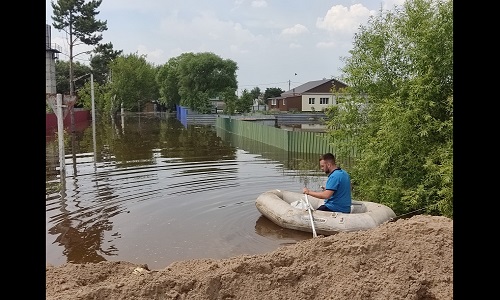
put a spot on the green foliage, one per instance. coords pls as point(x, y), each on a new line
point(102, 97)
point(230, 99)
point(203, 76)
point(272, 92)
point(133, 83)
point(191, 79)
point(62, 79)
point(78, 19)
point(167, 78)
point(398, 111)
point(244, 103)
point(255, 92)
point(100, 60)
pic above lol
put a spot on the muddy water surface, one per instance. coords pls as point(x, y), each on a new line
point(155, 192)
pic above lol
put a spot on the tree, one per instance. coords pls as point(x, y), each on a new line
point(244, 103)
point(255, 92)
point(78, 20)
point(167, 78)
point(230, 100)
point(133, 83)
point(398, 110)
point(272, 92)
point(102, 96)
point(192, 79)
point(62, 80)
point(99, 62)
point(203, 76)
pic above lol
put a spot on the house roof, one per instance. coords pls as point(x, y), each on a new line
point(305, 87)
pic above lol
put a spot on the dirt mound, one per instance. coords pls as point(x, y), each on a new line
point(406, 259)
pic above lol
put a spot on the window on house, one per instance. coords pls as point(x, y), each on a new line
point(273, 102)
point(323, 100)
point(284, 102)
point(311, 100)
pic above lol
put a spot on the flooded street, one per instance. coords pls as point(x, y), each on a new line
point(155, 192)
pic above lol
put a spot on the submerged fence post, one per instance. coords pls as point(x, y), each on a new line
point(60, 134)
point(93, 116)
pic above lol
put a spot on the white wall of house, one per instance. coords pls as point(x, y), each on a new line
point(317, 101)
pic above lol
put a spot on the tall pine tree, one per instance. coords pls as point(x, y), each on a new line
point(77, 19)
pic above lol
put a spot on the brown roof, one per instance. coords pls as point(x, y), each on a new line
point(306, 87)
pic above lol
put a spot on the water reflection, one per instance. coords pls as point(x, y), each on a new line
point(268, 229)
point(156, 192)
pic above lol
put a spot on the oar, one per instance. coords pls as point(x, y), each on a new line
point(310, 216)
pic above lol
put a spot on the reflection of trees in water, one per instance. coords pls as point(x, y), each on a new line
point(201, 143)
point(142, 134)
point(51, 161)
point(82, 243)
point(81, 229)
point(138, 140)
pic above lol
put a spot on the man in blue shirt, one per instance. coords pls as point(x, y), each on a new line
point(337, 190)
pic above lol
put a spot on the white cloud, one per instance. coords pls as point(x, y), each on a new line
point(389, 4)
point(263, 37)
point(325, 44)
point(259, 3)
point(342, 20)
point(151, 55)
point(237, 50)
point(295, 30)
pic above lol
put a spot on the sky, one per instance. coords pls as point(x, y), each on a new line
point(275, 43)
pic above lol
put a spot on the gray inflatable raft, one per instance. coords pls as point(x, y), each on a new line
point(287, 209)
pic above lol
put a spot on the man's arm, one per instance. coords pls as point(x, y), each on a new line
point(325, 194)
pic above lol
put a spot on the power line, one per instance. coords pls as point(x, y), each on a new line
point(263, 83)
point(259, 84)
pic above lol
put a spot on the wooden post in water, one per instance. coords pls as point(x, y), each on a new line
point(60, 134)
point(93, 117)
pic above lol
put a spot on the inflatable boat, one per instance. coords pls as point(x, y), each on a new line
point(289, 210)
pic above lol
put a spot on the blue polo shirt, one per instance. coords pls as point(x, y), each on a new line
point(339, 181)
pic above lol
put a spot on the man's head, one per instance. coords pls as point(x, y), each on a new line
point(327, 162)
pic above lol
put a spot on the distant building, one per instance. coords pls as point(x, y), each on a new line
point(218, 105)
point(311, 96)
point(51, 54)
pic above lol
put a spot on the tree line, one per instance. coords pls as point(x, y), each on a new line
point(190, 80)
point(130, 81)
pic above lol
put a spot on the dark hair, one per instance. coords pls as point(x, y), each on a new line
point(328, 157)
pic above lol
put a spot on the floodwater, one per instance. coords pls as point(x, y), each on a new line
point(155, 192)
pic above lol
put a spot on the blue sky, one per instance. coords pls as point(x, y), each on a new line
point(270, 40)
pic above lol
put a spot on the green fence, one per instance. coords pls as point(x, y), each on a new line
point(293, 141)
